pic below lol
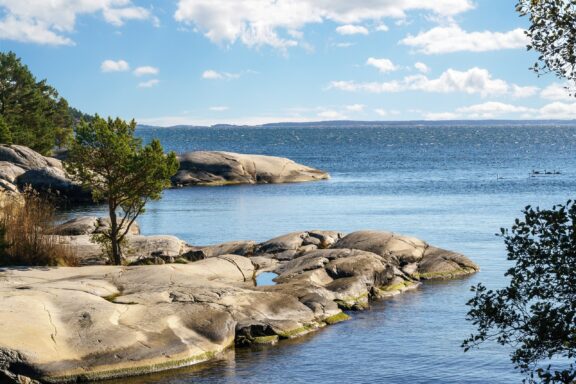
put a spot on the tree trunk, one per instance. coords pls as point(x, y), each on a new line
point(116, 251)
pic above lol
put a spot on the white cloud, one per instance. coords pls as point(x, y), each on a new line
point(473, 81)
point(491, 109)
point(355, 107)
point(219, 108)
point(146, 70)
point(149, 83)
point(422, 67)
point(382, 28)
point(332, 115)
point(452, 38)
point(114, 66)
point(440, 116)
point(344, 45)
point(48, 22)
point(557, 92)
point(211, 74)
point(267, 22)
point(383, 65)
point(350, 29)
point(558, 110)
point(385, 113)
point(521, 92)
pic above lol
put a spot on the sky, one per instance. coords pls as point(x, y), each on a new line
point(205, 62)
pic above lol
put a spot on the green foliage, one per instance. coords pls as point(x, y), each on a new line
point(552, 33)
point(5, 134)
point(35, 114)
point(106, 158)
point(536, 313)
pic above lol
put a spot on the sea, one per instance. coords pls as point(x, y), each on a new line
point(453, 186)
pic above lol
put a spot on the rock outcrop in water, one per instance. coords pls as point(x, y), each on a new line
point(225, 168)
point(108, 321)
point(21, 166)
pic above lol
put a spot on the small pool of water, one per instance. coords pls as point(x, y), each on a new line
point(265, 278)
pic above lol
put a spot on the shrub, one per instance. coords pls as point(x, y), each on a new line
point(24, 234)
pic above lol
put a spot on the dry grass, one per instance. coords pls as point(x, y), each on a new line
point(25, 228)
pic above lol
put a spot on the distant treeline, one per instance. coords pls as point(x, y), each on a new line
point(32, 113)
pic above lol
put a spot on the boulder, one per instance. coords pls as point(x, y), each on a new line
point(87, 225)
point(243, 248)
point(21, 166)
point(291, 245)
point(224, 168)
point(55, 181)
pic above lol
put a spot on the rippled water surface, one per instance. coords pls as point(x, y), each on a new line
point(451, 186)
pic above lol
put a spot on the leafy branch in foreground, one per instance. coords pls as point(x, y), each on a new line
point(106, 158)
point(552, 34)
point(536, 313)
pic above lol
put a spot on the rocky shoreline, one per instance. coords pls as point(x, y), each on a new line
point(21, 166)
point(97, 322)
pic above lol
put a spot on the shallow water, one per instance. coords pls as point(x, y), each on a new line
point(451, 186)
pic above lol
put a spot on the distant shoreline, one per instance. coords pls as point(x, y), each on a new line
point(382, 124)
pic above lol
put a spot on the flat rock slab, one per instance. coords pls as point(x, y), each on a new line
point(226, 168)
point(87, 323)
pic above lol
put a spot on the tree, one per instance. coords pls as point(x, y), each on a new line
point(34, 112)
point(552, 33)
point(5, 134)
point(106, 157)
point(536, 312)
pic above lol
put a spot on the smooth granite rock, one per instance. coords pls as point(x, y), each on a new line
point(101, 322)
point(21, 166)
point(225, 168)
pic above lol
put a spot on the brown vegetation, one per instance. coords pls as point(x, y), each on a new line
point(24, 234)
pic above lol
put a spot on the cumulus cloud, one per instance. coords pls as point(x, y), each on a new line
point(490, 110)
point(382, 28)
point(350, 29)
point(355, 107)
point(149, 83)
point(48, 22)
point(385, 113)
point(146, 70)
point(558, 110)
point(422, 67)
point(211, 74)
point(114, 66)
point(332, 115)
point(383, 65)
point(557, 92)
point(452, 38)
point(473, 81)
point(219, 108)
point(267, 22)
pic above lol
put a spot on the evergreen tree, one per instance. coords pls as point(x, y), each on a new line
point(106, 158)
point(5, 134)
point(36, 115)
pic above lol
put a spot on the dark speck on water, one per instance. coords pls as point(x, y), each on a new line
point(437, 183)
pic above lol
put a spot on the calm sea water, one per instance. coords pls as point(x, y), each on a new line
point(451, 186)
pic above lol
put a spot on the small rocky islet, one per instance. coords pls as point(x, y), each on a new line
point(177, 304)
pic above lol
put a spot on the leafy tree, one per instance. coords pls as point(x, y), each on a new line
point(536, 312)
point(36, 115)
point(552, 33)
point(106, 157)
point(5, 134)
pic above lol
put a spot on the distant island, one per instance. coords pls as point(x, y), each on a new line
point(383, 124)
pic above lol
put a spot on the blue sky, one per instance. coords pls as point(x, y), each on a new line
point(257, 61)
